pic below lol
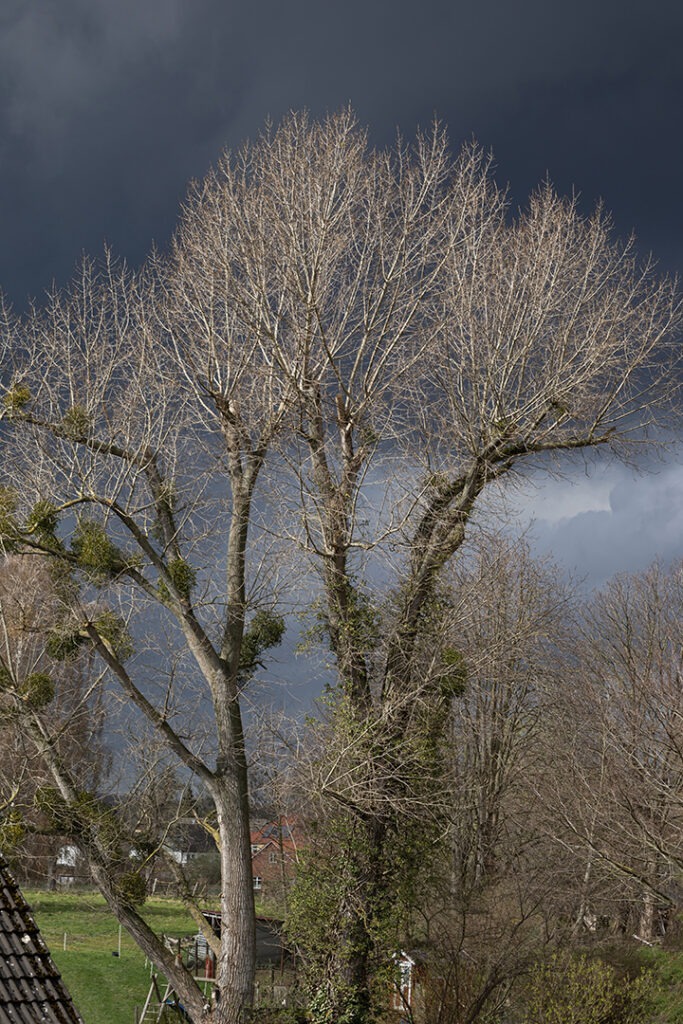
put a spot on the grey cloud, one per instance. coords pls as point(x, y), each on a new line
point(108, 108)
point(61, 60)
point(644, 522)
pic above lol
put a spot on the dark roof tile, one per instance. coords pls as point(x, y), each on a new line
point(31, 989)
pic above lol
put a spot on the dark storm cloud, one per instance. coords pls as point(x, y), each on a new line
point(106, 109)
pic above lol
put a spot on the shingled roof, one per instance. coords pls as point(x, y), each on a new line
point(31, 989)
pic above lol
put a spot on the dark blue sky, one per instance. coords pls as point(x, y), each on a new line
point(109, 107)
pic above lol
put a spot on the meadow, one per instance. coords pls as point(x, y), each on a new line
point(83, 937)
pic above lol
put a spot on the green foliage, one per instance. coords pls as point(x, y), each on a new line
point(348, 900)
point(453, 680)
point(279, 1015)
point(9, 530)
point(77, 818)
point(354, 621)
point(76, 423)
point(325, 1008)
point(42, 521)
point(265, 630)
point(17, 398)
point(12, 830)
point(50, 802)
point(361, 620)
point(182, 576)
point(38, 690)
point(64, 643)
point(314, 902)
point(132, 888)
point(570, 989)
point(113, 631)
point(95, 553)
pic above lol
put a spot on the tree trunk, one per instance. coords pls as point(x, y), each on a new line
point(235, 969)
point(368, 898)
point(646, 922)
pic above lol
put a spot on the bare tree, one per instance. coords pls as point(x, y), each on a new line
point(369, 339)
point(39, 698)
point(116, 479)
point(459, 346)
point(621, 769)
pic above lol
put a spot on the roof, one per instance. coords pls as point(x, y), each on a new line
point(187, 836)
point(284, 834)
point(270, 949)
point(31, 988)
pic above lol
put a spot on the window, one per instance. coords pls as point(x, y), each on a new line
point(255, 849)
point(273, 857)
point(257, 880)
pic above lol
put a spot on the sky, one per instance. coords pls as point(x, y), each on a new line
point(108, 109)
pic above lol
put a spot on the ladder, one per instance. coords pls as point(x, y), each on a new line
point(153, 1010)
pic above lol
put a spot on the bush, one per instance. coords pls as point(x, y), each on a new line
point(580, 990)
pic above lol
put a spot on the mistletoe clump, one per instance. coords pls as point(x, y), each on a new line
point(183, 577)
point(76, 423)
point(132, 888)
point(113, 632)
point(265, 630)
point(65, 642)
point(95, 553)
point(17, 398)
point(42, 523)
point(38, 690)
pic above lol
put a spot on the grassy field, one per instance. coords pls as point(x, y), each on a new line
point(668, 1002)
point(83, 935)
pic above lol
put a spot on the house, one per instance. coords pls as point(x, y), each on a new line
point(31, 989)
point(69, 866)
point(187, 841)
point(275, 847)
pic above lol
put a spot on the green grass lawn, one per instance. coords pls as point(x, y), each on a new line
point(668, 1001)
point(105, 988)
